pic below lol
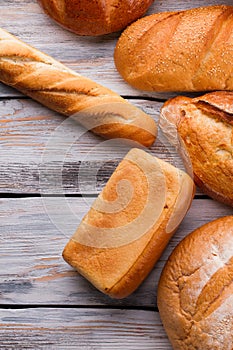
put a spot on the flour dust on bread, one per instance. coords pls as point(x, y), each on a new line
point(188, 50)
point(65, 91)
point(205, 127)
point(195, 291)
point(95, 17)
point(130, 223)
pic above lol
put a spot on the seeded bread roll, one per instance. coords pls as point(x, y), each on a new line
point(195, 292)
point(188, 50)
point(129, 225)
point(65, 91)
point(95, 17)
point(205, 127)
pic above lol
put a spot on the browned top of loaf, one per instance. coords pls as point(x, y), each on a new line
point(118, 271)
point(195, 293)
point(206, 126)
point(189, 50)
point(95, 17)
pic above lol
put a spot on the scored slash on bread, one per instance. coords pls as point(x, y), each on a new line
point(188, 50)
point(63, 90)
point(195, 291)
point(205, 126)
point(118, 241)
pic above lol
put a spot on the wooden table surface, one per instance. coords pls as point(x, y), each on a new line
point(45, 304)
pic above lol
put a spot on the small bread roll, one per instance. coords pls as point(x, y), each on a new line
point(130, 223)
point(205, 126)
point(195, 292)
point(95, 17)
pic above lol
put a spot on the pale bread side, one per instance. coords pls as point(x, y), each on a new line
point(117, 268)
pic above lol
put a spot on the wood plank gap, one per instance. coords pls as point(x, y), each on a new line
point(19, 195)
point(70, 195)
point(16, 97)
point(201, 196)
point(29, 195)
point(145, 98)
point(127, 97)
point(74, 306)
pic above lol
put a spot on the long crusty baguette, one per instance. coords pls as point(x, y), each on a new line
point(205, 126)
point(188, 50)
point(195, 292)
point(63, 90)
point(130, 223)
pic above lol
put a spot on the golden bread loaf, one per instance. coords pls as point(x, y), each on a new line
point(188, 50)
point(130, 223)
point(63, 90)
point(88, 17)
point(195, 292)
point(205, 126)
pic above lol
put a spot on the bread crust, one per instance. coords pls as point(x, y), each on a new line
point(195, 291)
point(205, 125)
point(95, 17)
point(188, 50)
point(54, 85)
point(119, 269)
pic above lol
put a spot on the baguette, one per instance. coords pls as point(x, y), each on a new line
point(63, 90)
point(129, 225)
point(188, 50)
point(205, 127)
point(195, 291)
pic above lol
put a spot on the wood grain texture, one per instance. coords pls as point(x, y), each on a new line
point(84, 329)
point(34, 232)
point(32, 270)
point(28, 161)
point(89, 56)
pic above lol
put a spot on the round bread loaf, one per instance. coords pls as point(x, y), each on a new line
point(195, 292)
point(89, 17)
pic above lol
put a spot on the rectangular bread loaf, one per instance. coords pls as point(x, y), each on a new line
point(130, 223)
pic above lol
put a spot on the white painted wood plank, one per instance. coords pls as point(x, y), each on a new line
point(32, 270)
point(25, 130)
point(84, 329)
point(90, 56)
